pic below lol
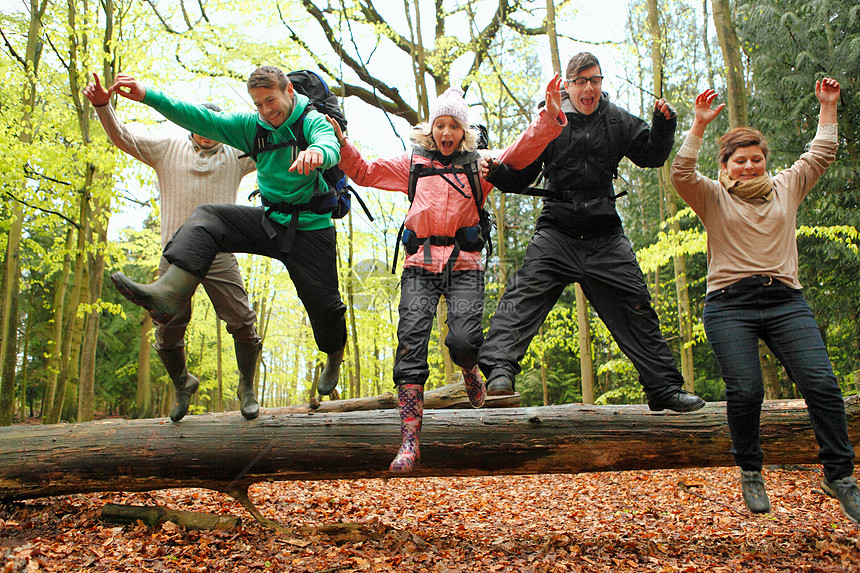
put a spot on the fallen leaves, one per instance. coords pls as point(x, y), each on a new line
point(660, 521)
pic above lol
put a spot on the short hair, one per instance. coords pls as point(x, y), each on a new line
point(740, 137)
point(268, 77)
point(579, 62)
point(212, 106)
point(422, 134)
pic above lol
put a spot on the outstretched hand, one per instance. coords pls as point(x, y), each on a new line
point(97, 95)
point(827, 91)
point(307, 161)
point(128, 87)
point(704, 113)
point(337, 130)
point(553, 96)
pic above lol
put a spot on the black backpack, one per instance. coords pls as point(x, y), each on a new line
point(466, 238)
point(338, 199)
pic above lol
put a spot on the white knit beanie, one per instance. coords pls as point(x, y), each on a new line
point(450, 103)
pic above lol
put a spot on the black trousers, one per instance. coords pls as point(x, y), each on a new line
point(419, 295)
point(612, 281)
point(311, 261)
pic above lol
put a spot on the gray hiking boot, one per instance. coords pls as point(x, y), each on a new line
point(755, 496)
point(846, 492)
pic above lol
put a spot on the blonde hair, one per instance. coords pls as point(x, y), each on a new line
point(422, 134)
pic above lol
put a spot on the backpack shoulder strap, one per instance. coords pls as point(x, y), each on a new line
point(298, 127)
point(258, 145)
point(612, 119)
point(414, 169)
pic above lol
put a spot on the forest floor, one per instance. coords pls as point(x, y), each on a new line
point(667, 520)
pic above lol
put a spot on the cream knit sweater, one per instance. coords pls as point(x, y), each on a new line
point(188, 176)
point(755, 237)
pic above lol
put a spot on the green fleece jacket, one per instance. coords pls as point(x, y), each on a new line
point(274, 179)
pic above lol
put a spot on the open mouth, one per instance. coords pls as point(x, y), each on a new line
point(587, 101)
point(447, 145)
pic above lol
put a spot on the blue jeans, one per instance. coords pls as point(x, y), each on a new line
point(735, 318)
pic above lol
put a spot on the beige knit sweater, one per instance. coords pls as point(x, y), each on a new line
point(747, 238)
point(187, 175)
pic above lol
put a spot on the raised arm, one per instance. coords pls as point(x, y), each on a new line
point(704, 113)
point(827, 91)
point(147, 148)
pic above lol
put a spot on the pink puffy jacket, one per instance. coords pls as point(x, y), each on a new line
point(438, 209)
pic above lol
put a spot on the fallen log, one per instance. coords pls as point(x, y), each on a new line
point(155, 515)
point(448, 396)
point(226, 453)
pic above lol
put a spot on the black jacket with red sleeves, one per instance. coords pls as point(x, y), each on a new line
point(581, 163)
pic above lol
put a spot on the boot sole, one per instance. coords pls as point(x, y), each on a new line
point(145, 302)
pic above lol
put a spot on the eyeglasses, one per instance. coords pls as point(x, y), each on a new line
point(579, 82)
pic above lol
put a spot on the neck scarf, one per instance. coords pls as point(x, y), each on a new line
point(760, 187)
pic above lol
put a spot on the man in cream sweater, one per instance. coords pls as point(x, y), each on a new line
point(192, 171)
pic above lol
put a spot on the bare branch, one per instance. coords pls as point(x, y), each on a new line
point(395, 104)
point(12, 50)
point(43, 210)
point(164, 23)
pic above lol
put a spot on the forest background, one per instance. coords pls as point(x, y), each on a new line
point(72, 347)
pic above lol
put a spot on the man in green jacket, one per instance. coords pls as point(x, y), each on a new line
point(290, 227)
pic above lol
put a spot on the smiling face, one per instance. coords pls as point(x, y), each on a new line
point(447, 134)
point(746, 163)
point(585, 97)
point(274, 105)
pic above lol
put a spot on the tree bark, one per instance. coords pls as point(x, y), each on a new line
point(730, 46)
point(226, 453)
point(143, 398)
point(55, 347)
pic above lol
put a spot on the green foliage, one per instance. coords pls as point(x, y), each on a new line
point(208, 49)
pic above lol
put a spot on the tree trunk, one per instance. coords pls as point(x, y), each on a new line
point(25, 355)
point(55, 346)
point(11, 269)
point(226, 453)
point(143, 398)
point(10, 349)
point(586, 363)
point(730, 46)
point(86, 392)
point(685, 325)
point(72, 328)
point(219, 366)
point(355, 388)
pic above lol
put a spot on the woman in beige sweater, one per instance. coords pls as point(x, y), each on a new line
point(754, 292)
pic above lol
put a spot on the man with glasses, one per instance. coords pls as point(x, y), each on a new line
point(579, 238)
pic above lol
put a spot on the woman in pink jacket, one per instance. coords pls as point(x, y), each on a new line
point(443, 242)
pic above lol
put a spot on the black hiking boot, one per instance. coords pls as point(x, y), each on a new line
point(500, 385)
point(755, 495)
point(681, 401)
point(846, 492)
